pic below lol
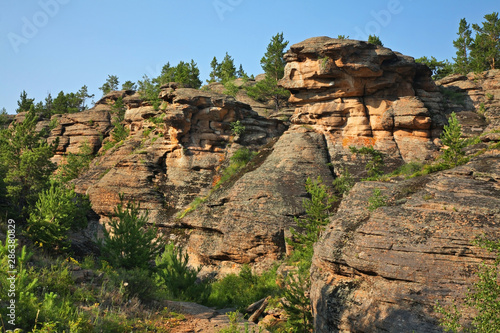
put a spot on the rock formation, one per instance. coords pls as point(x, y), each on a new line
point(359, 94)
point(384, 270)
point(172, 155)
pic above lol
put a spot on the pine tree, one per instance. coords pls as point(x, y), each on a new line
point(375, 40)
point(24, 102)
point(57, 211)
point(227, 69)
point(463, 45)
point(25, 155)
point(129, 243)
point(110, 85)
point(273, 65)
point(452, 137)
point(214, 74)
point(486, 46)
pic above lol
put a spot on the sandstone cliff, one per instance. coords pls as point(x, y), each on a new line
point(384, 271)
point(359, 94)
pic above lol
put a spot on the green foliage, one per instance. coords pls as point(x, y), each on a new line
point(296, 302)
point(375, 40)
point(224, 71)
point(110, 85)
point(57, 211)
point(149, 90)
point(374, 166)
point(25, 157)
point(237, 128)
point(234, 326)
point(452, 137)
point(453, 95)
point(463, 45)
point(483, 298)
point(24, 103)
point(76, 163)
point(4, 118)
point(65, 103)
point(129, 243)
point(129, 85)
point(239, 160)
point(344, 182)
point(174, 274)
point(439, 69)
point(186, 73)
point(318, 209)
point(230, 88)
point(342, 37)
point(485, 50)
point(243, 289)
point(376, 200)
point(273, 65)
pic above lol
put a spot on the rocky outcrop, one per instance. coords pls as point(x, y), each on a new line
point(347, 93)
point(359, 94)
point(172, 155)
point(75, 129)
point(245, 221)
point(384, 270)
point(476, 100)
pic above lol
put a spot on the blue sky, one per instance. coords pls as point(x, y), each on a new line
point(53, 45)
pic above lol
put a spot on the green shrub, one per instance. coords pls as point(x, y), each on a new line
point(230, 88)
point(136, 282)
point(376, 200)
point(241, 290)
point(374, 166)
point(239, 160)
point(57, 211)
point(295, 302)
point(173, 273)
point(318, 209)
point(76, 163)
point(452, 137)
point(119, 132)
point(129, 243)
point(237, 128)
point(344, 182)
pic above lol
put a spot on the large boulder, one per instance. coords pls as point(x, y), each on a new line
point(385, 270)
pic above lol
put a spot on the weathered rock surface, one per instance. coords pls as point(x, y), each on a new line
point(172, 155)
point(384, 270)
point(476, 100)
point(359, 94)
point(245, 220)
point(347, 93)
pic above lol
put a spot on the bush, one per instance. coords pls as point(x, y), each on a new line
point(376, 200)
point(237, 128)
point(452, 137)
point(57, 211)
point(173, 273)
point(76, 163)
point(243, 289)
point(374, 166)
point(344, 182)
point(318, 209)
point(129, 243)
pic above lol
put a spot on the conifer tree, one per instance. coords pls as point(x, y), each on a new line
point(452, 138)
point(129, 243)
point(375, 40)
point(486, 46)
point(25, 155)
point(273, 65)
point(463, 45)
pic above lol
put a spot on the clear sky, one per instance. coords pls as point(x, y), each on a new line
point(53, 45)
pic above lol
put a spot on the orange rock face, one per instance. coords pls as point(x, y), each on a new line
point(362, 94)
